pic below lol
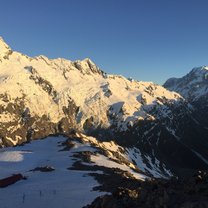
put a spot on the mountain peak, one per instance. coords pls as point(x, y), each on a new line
point(1, 39)
point(198, 74)
point(199, 69)
point(192, 86)
point(88, 60)
point(87, 66)
point(4, 48)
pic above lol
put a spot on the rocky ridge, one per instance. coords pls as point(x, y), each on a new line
point(174, 193)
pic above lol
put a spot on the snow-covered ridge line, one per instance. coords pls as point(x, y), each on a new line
point(129, 159)
point(77, 94)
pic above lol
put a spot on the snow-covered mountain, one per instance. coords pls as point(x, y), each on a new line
point(194, 88)
point(41, 97)
point(76, 94)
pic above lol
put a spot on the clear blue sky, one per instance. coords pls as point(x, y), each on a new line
point(148, 40)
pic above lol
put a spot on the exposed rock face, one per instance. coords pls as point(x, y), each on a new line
point(174, 193)
point(39, 97)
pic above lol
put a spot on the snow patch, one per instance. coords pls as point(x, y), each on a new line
point(59, 188)
point(12, 156)
point(101, 160)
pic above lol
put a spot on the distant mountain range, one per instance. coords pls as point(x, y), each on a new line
point(124, 128)
point(165, 125)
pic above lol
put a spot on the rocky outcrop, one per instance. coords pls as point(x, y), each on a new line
point(174, 193)
point(44, 169)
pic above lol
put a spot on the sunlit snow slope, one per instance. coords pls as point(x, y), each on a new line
point(77, 94)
